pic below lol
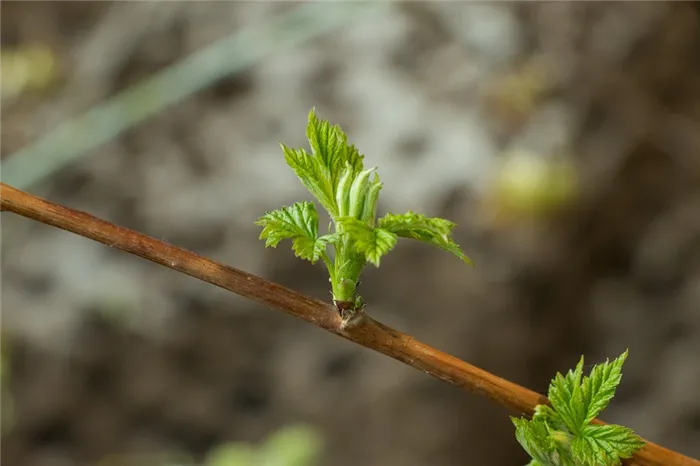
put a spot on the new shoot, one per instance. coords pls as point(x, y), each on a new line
point(335, 175)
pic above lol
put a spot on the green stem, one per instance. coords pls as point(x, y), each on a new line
point(348, 267)
point(347, 270)
point(329, 265)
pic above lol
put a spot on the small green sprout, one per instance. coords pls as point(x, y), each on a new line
point(562, 435)
point(334, 173)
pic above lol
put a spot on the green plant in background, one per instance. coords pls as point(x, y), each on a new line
point(7, 416)
point(562, 435)
point(292, 445)
point(162, 458)
point(25, 68)
point(334, 173)
point(295, 445)
point(530, 184)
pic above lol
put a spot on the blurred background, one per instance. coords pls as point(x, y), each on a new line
point(563, 138)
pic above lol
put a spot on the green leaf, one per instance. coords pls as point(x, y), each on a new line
point(331, 157)
point(295, 221)
point(357, 196)
point(533, 436)
point(373, 243)
point(435, 231)
point(546, 414)
point(576, 400)
point(579, 400)
point(330, 146)
point(342, 191)
point(599, 388)
point(312, 249)
point(605, 444)
point(298, 222)
point(562, 391)
point(369, 210)
point(314, 175)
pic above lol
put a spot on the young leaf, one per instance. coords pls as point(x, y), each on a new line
point(334, 173)
point(605, 445)
point(369, 210)
point(312, 249)
point(330, 147)
point(358, 193)
point(322, 170)
point(546, 413)
point(314, 175)
point(599, 388)
point(550, 417)
point(435, 231)
point(533, 436)
point(562, 392)
point(298, 222)
point(357, 196)
point(342, 191)
point(373, 243)
point(576, 400)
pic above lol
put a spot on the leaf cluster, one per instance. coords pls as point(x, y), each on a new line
point(562, 435)
point(335, 175)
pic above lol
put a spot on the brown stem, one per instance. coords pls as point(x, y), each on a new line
point(367, 332)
